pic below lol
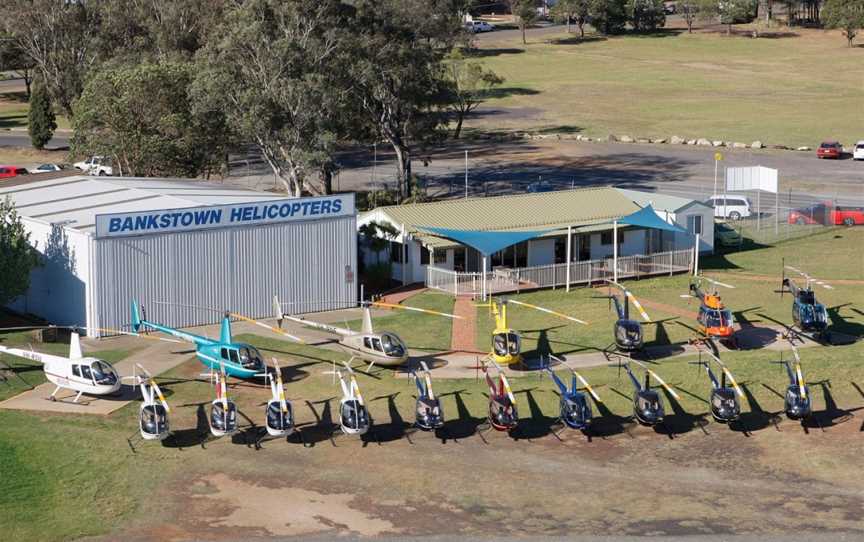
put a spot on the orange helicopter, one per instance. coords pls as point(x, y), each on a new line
point(714, 320)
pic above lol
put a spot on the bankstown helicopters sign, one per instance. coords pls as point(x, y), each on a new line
point(224, 216)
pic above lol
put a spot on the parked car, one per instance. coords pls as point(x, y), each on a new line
point(46, 168)
point(827, 214)
point(725, 235)
point(7, 172)
point(540, 186)
point(95, 165)
point(479, 26)
point(858, 153)
point(734, 207)
point(830, 149)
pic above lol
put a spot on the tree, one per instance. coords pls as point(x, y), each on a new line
point(377, 236)
point(646, 15)
point(525, 12)
point(275, 72)
point(13, 58)
point(394, 74)
point(17, 256)
point(61, 39)
point(577, 11)
point(729, 11)
point(689, 10)
point(41, 121)
point(470, 84)
point(142, 117)
point(847, 15)
point(609, 16)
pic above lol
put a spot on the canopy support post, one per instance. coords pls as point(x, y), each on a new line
point(569, 249)
point(404, 258)
point(696, 257)
point(615, 251)
point(483, 282)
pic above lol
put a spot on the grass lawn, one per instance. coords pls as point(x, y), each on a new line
point(789, 90)
point(14, 109)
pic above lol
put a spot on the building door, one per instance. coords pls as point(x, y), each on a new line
point(584, 244)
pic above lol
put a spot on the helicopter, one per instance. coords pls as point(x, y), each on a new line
point(503, 415)
point(279, 413)
point(354, 417)
point(797, 398)
point(239, 360)
point(725, 407)
point(153, 413)
point(574, 405)
point(808, 314)
point(627, 332)
point(76, 373)
point(647, 404)
point(714, 319)
point(429, 415)
point(507, 342)
point(383, 348)
point(223, 411)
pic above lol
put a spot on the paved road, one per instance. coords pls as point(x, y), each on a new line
point(20, 138)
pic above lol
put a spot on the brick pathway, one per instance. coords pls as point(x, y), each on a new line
point(465, 330)
point(399, 295)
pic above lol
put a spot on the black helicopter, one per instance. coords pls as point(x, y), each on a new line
point(627, 332)
point(797, 398)
point(809, 315)
point(575, 410)
point(647, 403)
point(725, 407)
point(429, 415)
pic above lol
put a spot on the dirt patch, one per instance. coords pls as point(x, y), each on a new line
point(282, 511)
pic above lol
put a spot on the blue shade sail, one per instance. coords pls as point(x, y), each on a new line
point(485, 242)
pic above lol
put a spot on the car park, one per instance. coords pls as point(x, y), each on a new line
point(827, 214)
point(830, 149)
point(725, 235)
point(734, 207)
point(95, 165)
point(858, 152)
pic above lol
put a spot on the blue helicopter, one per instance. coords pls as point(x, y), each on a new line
point(807, 313)
point(240, 360)
point(575, 408)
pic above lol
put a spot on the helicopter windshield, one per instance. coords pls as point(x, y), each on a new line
point(513, 343)
point(627, 332)
point(392, 345)
point(501, 415)
point(354, 415)
point(718, 318)
point(250, 357)
point(154, 419)
point(648, 401)
point(276, 418)
point(576, 410)
point(499, 344)
point(103, 373)
point(428, 412)
point(218, 418)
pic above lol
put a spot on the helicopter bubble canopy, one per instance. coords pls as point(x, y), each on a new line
point(154, 420)
point(392, 345)
point(222, 420)
point(279, 420)
point(354, 416)
point(797, 406)
point(429, 415)
point(649, 409)
point(503, 416)
point(506, 343)
point(718, 317)
point(103, 373)
point(575, 411)
point(724, 405)
point(251, 358)
point(628, 332)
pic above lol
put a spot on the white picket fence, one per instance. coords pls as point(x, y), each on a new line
point(555, 276)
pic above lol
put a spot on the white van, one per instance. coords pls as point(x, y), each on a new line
point(734, 207)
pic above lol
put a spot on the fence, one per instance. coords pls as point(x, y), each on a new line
point(555, 275)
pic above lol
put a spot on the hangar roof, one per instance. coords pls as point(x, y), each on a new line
point(77, 200)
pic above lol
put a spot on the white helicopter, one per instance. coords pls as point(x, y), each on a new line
point(279, 413)
point(382, 348)
point(84, 375)
point(354, 417)
point(223, 411)
point(428, 412)
point(76, 373)
point(153, 413)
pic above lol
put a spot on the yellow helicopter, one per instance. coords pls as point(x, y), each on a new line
point(507, 342)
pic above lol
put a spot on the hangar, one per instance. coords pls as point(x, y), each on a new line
point(195, 245)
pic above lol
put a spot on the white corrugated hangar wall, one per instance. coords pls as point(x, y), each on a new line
point(310, 264)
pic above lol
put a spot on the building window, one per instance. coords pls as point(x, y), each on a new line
point(424, 256)
point(694, 224)
point(459, 259)
point(606, 237)
point(396, 252)
point(440, 256)
point(513, 256)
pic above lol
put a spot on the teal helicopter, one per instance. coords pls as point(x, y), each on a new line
point(240, 360)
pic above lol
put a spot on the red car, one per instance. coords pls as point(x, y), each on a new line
point(11, 171)
point(827, 214)
point(830, 149)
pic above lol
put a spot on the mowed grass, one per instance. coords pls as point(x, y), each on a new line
point(794, 90)
point(14, 109)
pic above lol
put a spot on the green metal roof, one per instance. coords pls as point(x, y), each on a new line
point(660, 202)
point(586, 209)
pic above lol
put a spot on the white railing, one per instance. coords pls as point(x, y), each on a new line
point(555, 275)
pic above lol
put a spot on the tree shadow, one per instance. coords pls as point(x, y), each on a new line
point(486, 52)
point(538, 425)
point(576, 40)
point(504, 92)
point(461, 427)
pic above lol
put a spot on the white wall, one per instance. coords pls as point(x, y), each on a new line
point(706, 239)
point(59, 288)
point(634, 243)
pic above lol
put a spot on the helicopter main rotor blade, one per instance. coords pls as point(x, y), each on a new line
point(159, 394)
point(588, 387)
point(266, 326)
point(733, 382)
point(718, 283)
point(801, 384)
point(548, 311)
point(507, 389)
point(637, 305)
point(416, 309)
point(664, 384)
